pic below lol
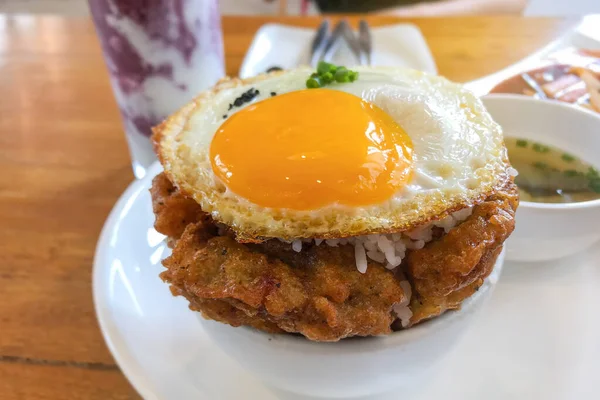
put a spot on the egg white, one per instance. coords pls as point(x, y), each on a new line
point(459, 156)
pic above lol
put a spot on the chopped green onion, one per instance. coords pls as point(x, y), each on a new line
point(329, 73)
point(571, 173)
point(327, 78)
point(540, 165)
point(342, 75)
point(595, 185)
point(522, 143)
point(540, 148)
point(567, 157)
point(313, 83)
point(324, 67)
point(593, 173)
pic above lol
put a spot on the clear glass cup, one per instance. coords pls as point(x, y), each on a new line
point(160, 54)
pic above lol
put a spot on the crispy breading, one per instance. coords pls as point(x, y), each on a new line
point(222, 311)
point(318, 292)
point(172, 210)
point(452, 268)
point(425, 307)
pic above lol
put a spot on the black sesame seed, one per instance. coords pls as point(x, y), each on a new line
point(230, 106)
point(273, 94)
point(224, 116)
point(245, 97)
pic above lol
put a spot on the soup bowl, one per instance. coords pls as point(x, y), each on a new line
point(547, 231)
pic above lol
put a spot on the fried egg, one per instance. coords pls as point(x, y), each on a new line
point(389, 152)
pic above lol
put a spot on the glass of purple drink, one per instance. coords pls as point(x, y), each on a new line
point(159, 54)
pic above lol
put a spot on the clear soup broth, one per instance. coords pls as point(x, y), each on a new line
point(550, 175)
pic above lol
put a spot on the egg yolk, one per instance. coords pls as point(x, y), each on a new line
point(307, 149)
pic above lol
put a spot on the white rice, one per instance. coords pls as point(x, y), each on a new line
point(401, 309)
point(390, 249)
point(297, 245)
point(361, 259)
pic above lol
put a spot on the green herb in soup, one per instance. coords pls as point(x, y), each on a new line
point(550, 175)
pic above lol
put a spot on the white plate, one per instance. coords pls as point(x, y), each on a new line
point(538, 339)
point(585, 36)
point(287, 46)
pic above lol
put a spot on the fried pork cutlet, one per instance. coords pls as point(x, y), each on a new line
point(448, 270)
point(318, 292)
point(173, 211)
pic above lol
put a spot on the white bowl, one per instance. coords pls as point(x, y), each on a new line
point(550, 231)
point(351, 367)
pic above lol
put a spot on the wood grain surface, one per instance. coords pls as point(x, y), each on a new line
point(64, 162)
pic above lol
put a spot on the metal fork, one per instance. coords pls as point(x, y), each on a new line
point(333, 41)
point(319, 43)
point(324, 46)
point(365, 41)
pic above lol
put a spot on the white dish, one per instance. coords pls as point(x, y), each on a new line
point(585, 35)
point(537, 339)
point(354, 367)
point(287, 46)
point(550, 231)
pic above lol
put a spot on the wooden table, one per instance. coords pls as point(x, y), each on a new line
point(64, 162)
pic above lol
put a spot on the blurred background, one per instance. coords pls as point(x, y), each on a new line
point(312, 7)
